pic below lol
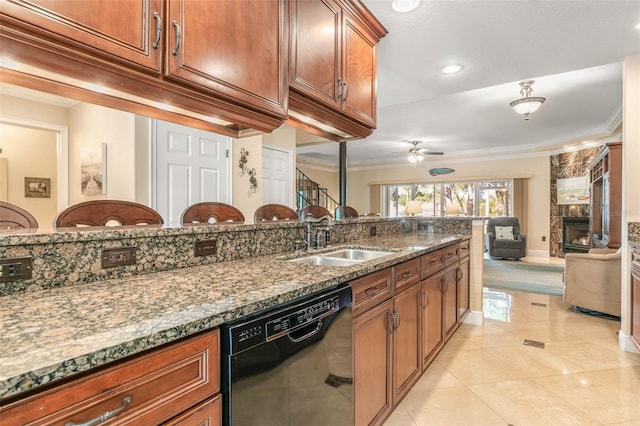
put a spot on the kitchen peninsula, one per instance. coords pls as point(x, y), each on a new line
point(58, 331)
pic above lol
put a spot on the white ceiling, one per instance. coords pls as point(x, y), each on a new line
point(573, 50)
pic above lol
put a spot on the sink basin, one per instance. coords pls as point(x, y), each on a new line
point(357, 254)
point(342, 257)
point(324, 260)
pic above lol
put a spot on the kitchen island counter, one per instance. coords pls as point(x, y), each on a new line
point(53, 334)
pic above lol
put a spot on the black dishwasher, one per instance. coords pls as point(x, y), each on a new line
point(291, 365)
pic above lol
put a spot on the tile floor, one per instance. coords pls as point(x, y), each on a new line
point(485, 375)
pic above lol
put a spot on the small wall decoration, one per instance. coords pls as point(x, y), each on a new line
point(253, 175)
point(574, 190)
point(93, 169)
point(37, 187)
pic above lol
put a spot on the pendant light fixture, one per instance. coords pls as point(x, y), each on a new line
point(527, 104)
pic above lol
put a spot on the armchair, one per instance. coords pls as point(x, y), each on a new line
point(592, 280)
point(504, 239)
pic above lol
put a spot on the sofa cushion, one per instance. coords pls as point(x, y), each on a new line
point(504, 232)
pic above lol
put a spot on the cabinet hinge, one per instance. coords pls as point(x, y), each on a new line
point(227, 153)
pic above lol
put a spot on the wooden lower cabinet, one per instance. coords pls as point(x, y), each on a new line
point(432, 332)
point(208, 413)
point(145, 390)
point(407, 359)
point(372, 360)
point(450, 300)
point(463, 287)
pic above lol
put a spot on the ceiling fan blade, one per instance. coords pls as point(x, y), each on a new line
point(433, 153)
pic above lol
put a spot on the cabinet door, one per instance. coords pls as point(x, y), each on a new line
point(237, 49)
point(372, 360)
point(207, 413)
point(127, 29)
point(359, 73)
point(407, 362)
point(463, 287)
point(449, 301)
point(316, 50)
point(432, 329)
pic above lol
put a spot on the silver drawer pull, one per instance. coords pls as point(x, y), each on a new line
point(174, 52)
point(406, 275)
point(104, 416)
point(156, 16)
point(371, 291)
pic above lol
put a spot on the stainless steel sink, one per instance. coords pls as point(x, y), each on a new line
point(324, 260)
point(341, 257)
point(357, 254)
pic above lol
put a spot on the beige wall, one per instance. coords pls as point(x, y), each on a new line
point(29, 153)
point(242, 198)
point(91, 125)
point(538, 168)
point(325, 176)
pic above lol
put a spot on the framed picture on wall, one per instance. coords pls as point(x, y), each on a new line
point(37, 187)
point(574, 190)
point(93, 169)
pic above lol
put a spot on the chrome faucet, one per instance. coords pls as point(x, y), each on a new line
point(310, 221)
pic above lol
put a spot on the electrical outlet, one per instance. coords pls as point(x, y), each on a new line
point(15, 268)
point(544, 238)
point(373, 231)
point(118, 256)
point(205, 248)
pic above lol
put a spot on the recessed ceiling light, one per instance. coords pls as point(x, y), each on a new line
point(404, 6)
point(638, 26)
point(451, 69)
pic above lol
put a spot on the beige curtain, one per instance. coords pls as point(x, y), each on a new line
point(374, 199)
point(521, 203)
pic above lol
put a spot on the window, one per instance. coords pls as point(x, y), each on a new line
point(473, 198)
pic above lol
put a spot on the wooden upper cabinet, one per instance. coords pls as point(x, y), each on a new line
point(235, 48)
point(333, 61)
point(316, 50)
point(126, 29)
point(359, 73)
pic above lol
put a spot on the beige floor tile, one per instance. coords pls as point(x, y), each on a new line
point(601, 399)
point(435, 377)
point(479, 366)
point(623, 378)
point(458, 344)
point(633, 423)
point(536, 362)
point(593, 356)
point(399, 417)
point(525, 402)
point(449, 406)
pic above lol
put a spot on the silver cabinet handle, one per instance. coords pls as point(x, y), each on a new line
point(156, 16)
point(341, 86)
point(174, 52)
point(371, 291)
point(406, 275)
point(426, 296)
point(104, 416)
point(346, 91)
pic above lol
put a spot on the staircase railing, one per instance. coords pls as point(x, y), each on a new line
point(310, 193)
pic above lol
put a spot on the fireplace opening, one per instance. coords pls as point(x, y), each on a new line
point(575, 235)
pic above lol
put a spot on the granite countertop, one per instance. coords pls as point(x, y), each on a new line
point(53, 334)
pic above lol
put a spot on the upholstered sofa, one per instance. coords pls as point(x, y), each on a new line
point(592, 280)
point(503, 238)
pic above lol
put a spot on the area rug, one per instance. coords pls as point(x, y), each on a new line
point(520, 276)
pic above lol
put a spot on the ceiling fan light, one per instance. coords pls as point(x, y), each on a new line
point(413, 158)
point(404, 6)
point(420, 157)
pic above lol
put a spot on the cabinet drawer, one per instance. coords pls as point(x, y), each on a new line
point(463, 250)
point(432, 263)
point(157, 386)
point(450, 254)
point(206, 413)
point(406, 274)
point(370, 290)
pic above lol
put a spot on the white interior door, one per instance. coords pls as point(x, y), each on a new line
point(276, 176)
point(191, 166)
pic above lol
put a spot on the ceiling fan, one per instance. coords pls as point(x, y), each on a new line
point(416, 154)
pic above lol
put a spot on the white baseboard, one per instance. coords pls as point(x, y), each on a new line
point(474, 318)
point(538, 253)
point(625, 343)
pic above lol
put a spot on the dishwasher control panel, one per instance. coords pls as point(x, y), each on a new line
point(279, 322)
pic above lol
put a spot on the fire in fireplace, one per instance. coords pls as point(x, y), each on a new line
point(575, 235)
